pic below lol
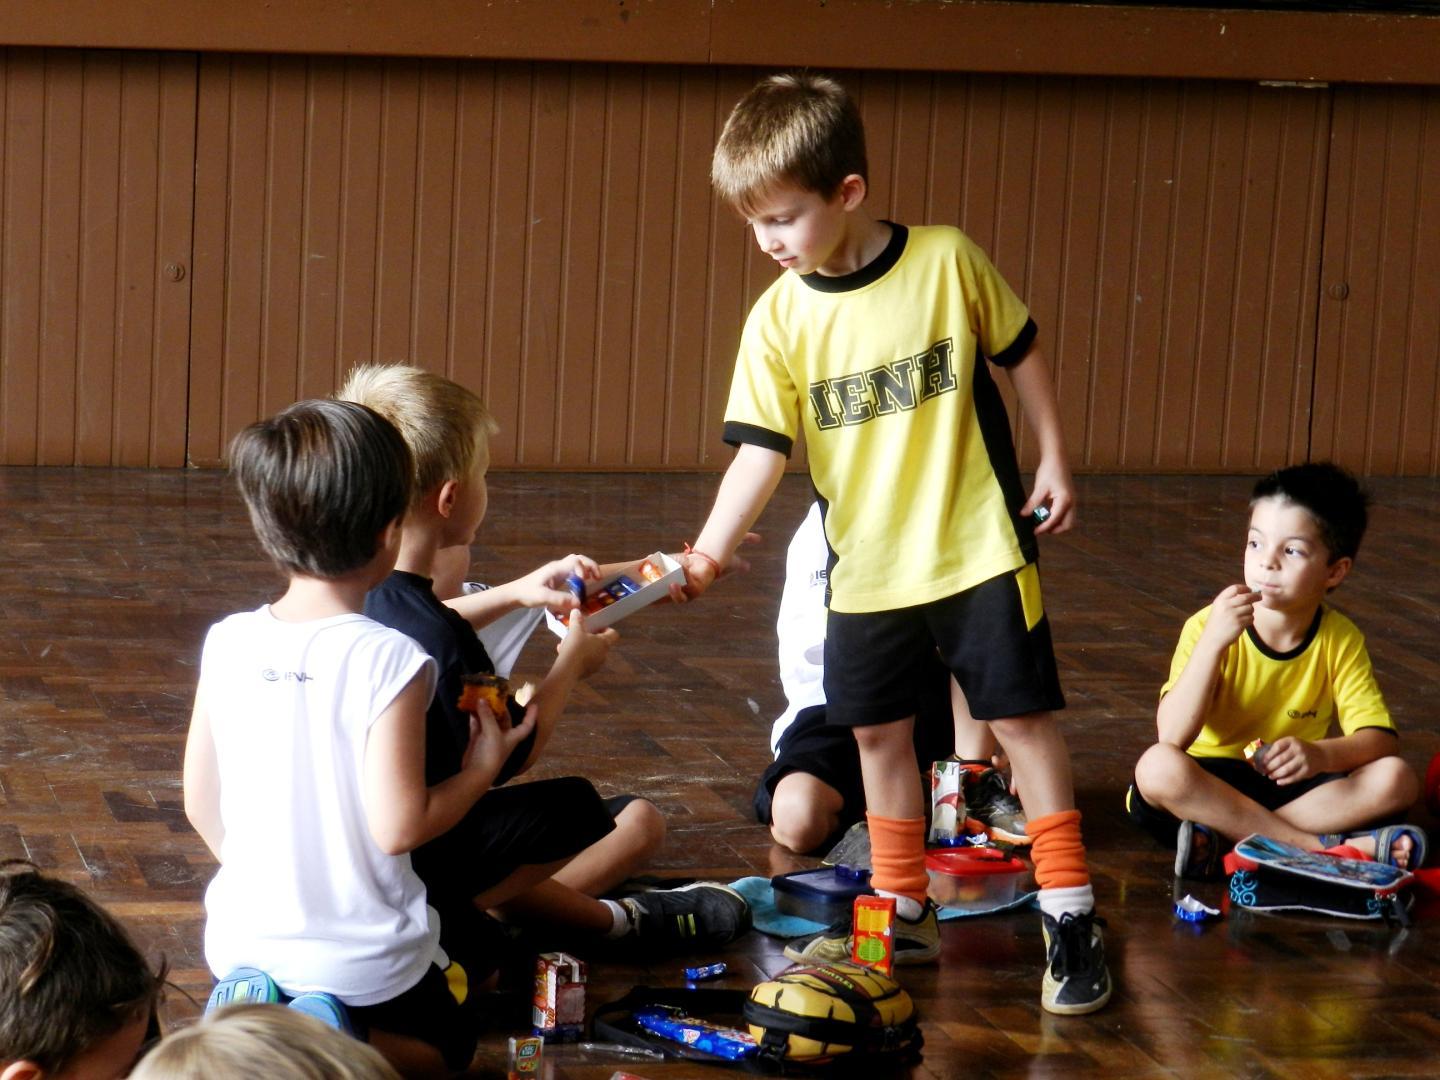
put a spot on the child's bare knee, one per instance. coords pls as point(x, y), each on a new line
point(642, 820)
point(883, 738)
point(1395, 781)
point(802, 830)
point(804, 811)
point(1162, 770)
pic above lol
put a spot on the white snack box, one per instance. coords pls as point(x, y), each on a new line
point(646, 595)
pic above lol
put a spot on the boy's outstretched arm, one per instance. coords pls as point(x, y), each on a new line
point(1182, 711)
point(581, 653)
point(202, 781)
point(745, 489)
point(1053, 484)
point(542, 587)
point(401, 812)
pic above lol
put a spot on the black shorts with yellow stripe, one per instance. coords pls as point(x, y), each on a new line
point(994, 638)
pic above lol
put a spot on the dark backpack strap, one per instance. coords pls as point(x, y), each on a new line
point(863, 1037)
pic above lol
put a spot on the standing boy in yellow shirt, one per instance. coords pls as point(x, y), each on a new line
point(875, 345)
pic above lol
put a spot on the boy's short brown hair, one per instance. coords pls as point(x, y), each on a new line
point(798, 128)
point(69, 974)
point(322, 479)
point(446, 426)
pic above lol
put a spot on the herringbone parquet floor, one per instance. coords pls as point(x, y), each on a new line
point(110, 577)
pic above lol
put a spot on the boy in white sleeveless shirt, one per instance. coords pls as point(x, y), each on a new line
point(304, 767)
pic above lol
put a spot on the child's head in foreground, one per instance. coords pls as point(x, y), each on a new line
point(322, 480)
point(1306, 521)
point(76, 995)
point(262, 1040)
point(798, 130)
point(447, 429)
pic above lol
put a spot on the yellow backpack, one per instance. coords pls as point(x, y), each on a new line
point(813, 1013)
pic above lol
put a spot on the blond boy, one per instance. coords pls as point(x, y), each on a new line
point(873, 345)
point(543, 851)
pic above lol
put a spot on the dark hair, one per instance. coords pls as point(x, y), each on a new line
point(69, 973)
point(1333, 497)
point(798, 128)
point(322, 479)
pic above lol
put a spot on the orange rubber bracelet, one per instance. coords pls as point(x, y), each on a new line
point(719, 570)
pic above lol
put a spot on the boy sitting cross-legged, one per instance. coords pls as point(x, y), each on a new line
point(1270, 660)
point(875, 343)
point(304, 765)
point(543, 851)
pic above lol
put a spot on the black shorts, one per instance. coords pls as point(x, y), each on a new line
point(828, 751)
point(527, 824)
point(994, 638)
point(428, 1011)
point(1240, 775)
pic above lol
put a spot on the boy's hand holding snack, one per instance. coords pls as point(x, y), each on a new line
point(492, 742)
point(1055, 491)
point(587, 650)
point(701, 569)
point(1230, 613)
point(545, 586)
point(1289, 760)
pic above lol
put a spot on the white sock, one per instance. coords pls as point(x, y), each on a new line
point(907, 907)
point(619, 919)
point(1077, 900)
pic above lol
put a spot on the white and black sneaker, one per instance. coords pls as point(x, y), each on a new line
point(1076, 978)
point(692, 916)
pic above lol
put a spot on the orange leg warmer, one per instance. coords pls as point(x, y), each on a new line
point(1058, 851)
point(897, 853)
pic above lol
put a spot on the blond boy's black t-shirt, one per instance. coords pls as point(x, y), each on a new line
point(407, 602)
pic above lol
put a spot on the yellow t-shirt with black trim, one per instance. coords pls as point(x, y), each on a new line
point(909, 442)
point(1324, 681)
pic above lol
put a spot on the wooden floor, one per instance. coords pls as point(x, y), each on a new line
point(111, 577)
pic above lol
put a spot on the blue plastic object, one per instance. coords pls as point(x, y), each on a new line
point(823, 894)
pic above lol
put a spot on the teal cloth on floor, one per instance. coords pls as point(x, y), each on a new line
point(771, 920)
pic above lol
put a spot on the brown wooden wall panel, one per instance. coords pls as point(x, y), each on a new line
point(1164, 233)
point(1146, 40)
point(540, 232)
point(1377, 384)
point(545, 233)
point(96, 206)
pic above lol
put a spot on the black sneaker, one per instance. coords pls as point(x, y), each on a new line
point(1076, 978)
point(702, 914)
point(1199, 854)
point(989, 806)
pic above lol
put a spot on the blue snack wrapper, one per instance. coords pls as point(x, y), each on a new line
point(728, 1043)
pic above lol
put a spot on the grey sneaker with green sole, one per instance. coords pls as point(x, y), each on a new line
point(702, 914)
point(989, 806)
point(916, 942)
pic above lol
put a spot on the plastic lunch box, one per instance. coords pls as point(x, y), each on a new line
point(821, 895)
point(973, 879)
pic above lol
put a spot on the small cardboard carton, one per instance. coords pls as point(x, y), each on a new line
point(559, 993)
point(611, 599)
